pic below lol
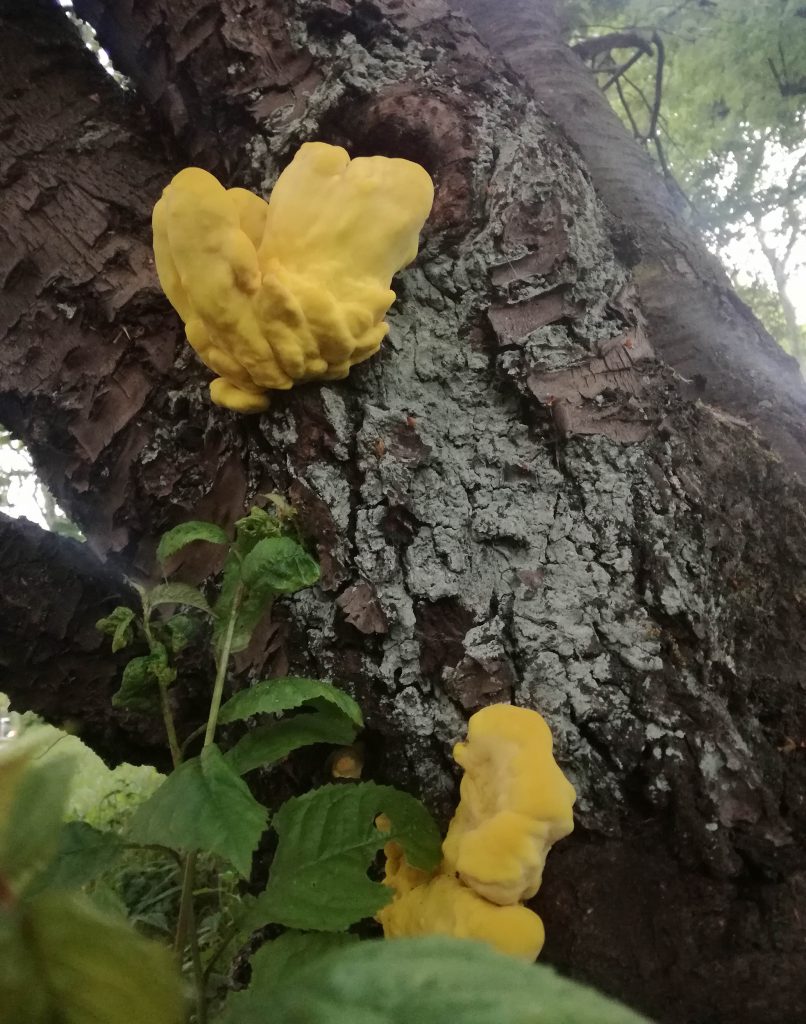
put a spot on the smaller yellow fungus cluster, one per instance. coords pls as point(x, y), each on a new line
point(294, 289)
point(515, 803)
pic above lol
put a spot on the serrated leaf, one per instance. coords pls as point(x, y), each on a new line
point(275, 964)
point(186, 533)
point(88, 967)
point(29, 835)
point(271, 696)
point(139, 690)
point(255, 526)
point(251, 609)
point(254, 605)
point(426, 980)
point(279, 565)
point(203, 805)
point(83, 855)
point(182, 631)
point(327, 841)
point(271, 743)
point(179, 593)
point(118, 625)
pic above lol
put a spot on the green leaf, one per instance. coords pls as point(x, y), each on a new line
point(276, 962)
point(255, 526)
point(139, 689)
point(88, 968)
point(279, 565)
point(251, 609)
point(203, 805)
point(84, 854)
point(179, 593)
point(186, 533)
point(182, 631)
point(271, 743)
point(29, 835)
point(25, 1000)
point(118, 625)
point(428, 981)
point(271, 696)
point(264, 568)
point(328, 840)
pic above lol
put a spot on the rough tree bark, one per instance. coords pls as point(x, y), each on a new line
point(528, 502)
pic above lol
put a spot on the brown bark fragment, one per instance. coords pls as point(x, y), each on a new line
point(362, 609)
point(512, 323)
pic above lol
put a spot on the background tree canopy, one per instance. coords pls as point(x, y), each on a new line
point(716, 89)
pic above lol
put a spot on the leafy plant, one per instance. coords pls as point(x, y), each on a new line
point(424, 980)
point(173, 860)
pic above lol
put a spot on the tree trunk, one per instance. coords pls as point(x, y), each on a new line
point(539, 506)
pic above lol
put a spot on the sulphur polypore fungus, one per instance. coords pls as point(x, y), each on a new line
point(515, 803)
point(294, 289)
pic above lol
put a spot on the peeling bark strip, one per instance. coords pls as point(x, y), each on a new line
point(625, 590)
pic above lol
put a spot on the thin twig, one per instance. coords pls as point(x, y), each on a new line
point(623, 69)
point(653, 117)
point(627, 110)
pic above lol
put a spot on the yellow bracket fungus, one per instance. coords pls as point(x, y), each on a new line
point(515, 803)
point(295, 289)
point(443, 906)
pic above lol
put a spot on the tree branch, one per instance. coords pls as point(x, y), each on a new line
point(743, 370)
point(54, 660)
point(589, 48)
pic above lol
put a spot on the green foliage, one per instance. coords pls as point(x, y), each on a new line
point(278, 565)
point(766, 304)
point(731, 127)
point(203, 805)
point(182, 630)
point(328, 840)
point(62, 960)
point(275, 964)
point(139, 688)
point(268, 744)
point(275, 695)
point(29, 833)
point(264, 561)
point(59, 958)
point(157, 849)
point(427, 981)
point(187, 533)
point(99, 795)
point(84, 853)
point(179, 593)
point(118, 625)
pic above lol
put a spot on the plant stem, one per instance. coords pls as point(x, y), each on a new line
point(199, 978)
point(165, 704)
point(186, 932)
point(221, 668)
point(185, 904)
point(186, 924)
point(170, 729)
